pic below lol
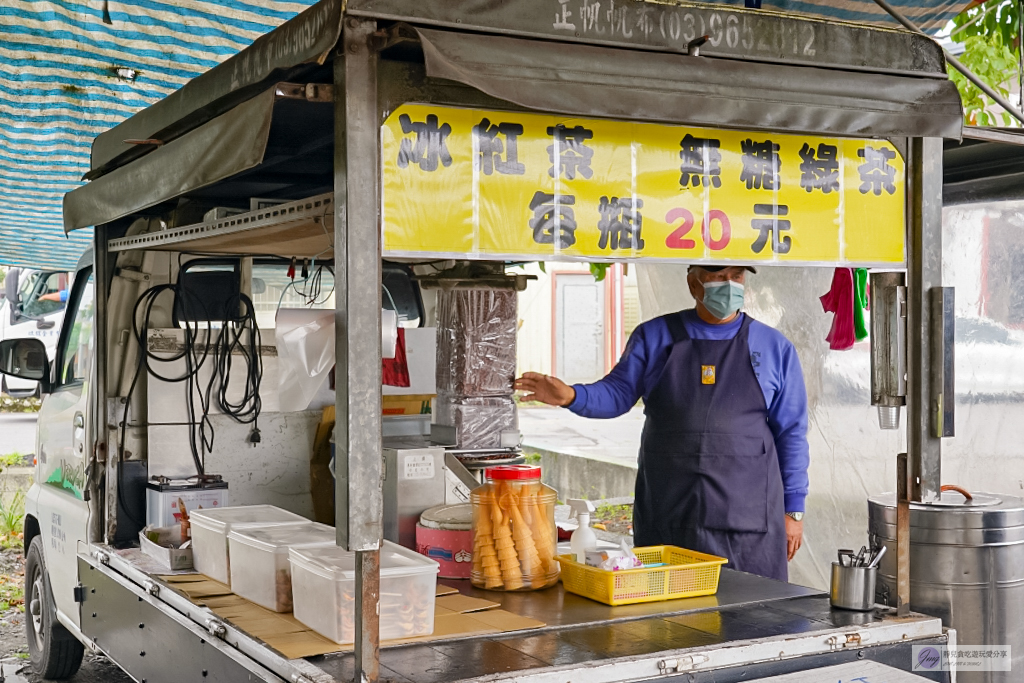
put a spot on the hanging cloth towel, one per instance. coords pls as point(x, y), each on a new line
point(839, 301)
point(860, 303)
point(395, 372)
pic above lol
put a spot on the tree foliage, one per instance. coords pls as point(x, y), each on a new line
point(990, 34)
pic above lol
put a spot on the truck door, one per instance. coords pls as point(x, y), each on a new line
point(64, 445)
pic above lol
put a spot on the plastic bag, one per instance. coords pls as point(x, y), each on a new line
point(476, 341)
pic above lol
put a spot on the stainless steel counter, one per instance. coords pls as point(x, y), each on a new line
point(751, 619)
point(558, 608)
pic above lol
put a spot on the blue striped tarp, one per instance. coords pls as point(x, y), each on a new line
point(65, 76)
point(60, 86)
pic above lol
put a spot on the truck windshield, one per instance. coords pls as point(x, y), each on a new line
point(42, 293)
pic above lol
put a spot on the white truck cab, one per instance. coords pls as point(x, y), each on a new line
point(56, 512)
point(32, 305)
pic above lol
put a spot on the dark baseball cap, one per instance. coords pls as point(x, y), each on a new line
point(715, 269)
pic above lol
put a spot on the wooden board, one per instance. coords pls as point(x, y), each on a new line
point(455, 615)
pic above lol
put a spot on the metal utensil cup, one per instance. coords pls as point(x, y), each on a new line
point(853, 588)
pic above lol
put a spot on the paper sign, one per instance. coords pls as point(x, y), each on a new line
point(521, 186)
point(418, 466)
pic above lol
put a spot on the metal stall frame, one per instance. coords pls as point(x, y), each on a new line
point(903, 95)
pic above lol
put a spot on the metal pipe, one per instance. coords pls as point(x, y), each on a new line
point(902, 536)
point(359, 463)
point(99, 455)
point(924, 272)
point(968, 74)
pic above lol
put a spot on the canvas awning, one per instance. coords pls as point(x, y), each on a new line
point(594, 81)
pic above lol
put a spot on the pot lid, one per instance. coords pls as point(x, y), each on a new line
point(449, 517)
point(954, 511)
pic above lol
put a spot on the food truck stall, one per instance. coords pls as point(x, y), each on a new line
point(450, 133)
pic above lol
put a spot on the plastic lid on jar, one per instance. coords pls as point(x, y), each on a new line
point(513, 472)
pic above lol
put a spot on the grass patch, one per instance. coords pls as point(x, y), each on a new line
point(10, 460)
point(12, 516)
point(605, 511)
point(9, 404)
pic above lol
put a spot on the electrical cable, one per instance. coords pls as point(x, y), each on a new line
point(193, 363)
point(237, 336)
point(240, 336)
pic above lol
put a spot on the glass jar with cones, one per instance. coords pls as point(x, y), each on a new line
point(514, 537)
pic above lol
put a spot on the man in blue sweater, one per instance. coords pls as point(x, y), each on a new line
point(724, 454)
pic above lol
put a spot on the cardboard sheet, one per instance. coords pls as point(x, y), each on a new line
point(455, 615)
point(463, 603)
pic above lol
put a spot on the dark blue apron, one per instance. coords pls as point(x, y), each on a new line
point(709, 477)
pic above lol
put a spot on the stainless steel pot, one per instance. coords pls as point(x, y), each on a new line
point(966, 567)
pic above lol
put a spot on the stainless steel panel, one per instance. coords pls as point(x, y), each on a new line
point(966, 567)
point(558, 608)
point(888, 339)
point(924, 246)
point(414, 481)
point(149, 642)
point(943, 353)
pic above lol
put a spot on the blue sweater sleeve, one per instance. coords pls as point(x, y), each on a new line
point(621, 388)
point(787, 419)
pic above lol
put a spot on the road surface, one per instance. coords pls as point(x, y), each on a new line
point(19, 433)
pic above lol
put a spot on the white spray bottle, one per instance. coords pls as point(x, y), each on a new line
point(583, 539)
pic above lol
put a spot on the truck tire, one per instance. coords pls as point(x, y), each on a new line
point(55, 654)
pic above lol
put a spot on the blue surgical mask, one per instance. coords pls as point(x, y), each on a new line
point(722, 299)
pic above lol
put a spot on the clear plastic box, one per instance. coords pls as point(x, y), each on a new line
point(210, 529)
point(324, 591)
point(260, 570)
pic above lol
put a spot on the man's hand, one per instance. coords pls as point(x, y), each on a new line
point(545, 389)
point(794, 536)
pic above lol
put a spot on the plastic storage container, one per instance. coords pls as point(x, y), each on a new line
point(680, 574)
point(260, 570)
point(514, 538)
point(324, 590)
point(210, 529)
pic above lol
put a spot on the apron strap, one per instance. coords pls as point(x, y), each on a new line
point(676, 328)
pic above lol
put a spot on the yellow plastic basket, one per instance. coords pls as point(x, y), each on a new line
point(683, 574)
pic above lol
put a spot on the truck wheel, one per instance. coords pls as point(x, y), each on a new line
point(55, 653)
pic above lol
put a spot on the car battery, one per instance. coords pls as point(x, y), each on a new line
point(163, 496)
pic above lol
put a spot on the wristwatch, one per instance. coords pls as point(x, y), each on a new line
point(795, 516)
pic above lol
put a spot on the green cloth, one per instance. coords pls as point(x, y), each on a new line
point(860, 303)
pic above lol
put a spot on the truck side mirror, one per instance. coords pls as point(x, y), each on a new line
point(25, 359)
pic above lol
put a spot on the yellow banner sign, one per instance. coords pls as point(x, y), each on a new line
point(505, 185)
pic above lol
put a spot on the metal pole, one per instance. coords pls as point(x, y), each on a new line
point(359, 464)
point(902, 536)
point(100, 456)
point(924, 373)
point(955, 63)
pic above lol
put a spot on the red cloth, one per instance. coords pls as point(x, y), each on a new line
point(839, 301)
point(395, 372)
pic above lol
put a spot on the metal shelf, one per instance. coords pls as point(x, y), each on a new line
point(303, 228)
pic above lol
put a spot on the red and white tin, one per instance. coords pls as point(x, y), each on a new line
point(445, 535)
